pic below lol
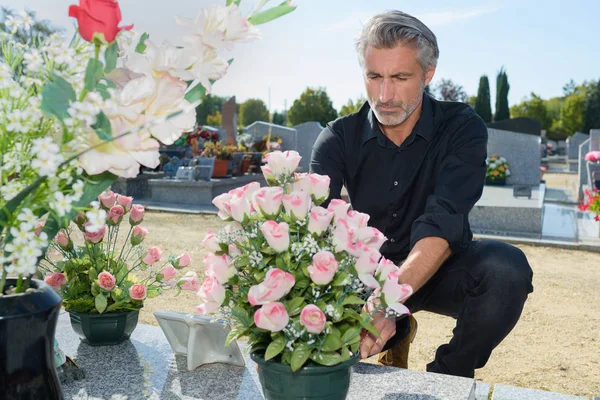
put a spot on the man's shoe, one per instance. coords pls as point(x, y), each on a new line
point(397, 356)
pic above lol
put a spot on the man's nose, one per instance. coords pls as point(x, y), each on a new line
point(386, 91)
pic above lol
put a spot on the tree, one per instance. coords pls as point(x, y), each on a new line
point(215, 119)
point(534, 107)
point(483, 105)
point(253, 110)
point(592, 107)
point(502, 87)
point(313, 105)
point(450, 91)
point(471, 100)
point(352, 107)
point(278, 118)
point(209, 106)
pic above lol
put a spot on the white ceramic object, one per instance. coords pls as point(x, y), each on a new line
point(200, 339)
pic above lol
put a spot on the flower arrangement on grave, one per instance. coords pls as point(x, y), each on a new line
point(77, 115)
point(293, 276)
point(592, 156)
point(219, 150)
point(497, 168)
point(591, 203)
point(268, 143)
point(100, 272)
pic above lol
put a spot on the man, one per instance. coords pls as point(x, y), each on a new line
point(417, 167)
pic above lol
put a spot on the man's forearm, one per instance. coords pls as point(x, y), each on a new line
point(426, 257)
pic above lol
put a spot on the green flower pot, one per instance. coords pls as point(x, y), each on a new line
point(495, 181)
point(104, 329)
point(313, 381)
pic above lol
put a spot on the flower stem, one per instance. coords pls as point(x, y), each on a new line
point(3, 281)
point(19, 283)
point(125, 244)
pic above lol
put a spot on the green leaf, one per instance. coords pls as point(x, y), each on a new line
point(287, 260)
point(57, 95)
point(279, 262)
point(340, 279)
point(100, 301)
point(275, 347)
point(10, 207)
point(327, 358)
point(141, 46)
point(102, 127)
point(195, 93)
point(152, 291)
point(352, 335)
point(241, 261)
point(351, 314)
point(271, 14)
point(286, 358)
point(260, 275)
point(93, 73)
point(237, 2)
point(242, 316)
point(234, 334)
point(267, 250)
point(110, 56)
point(93, 274)
point(332, 342)
point(302, 284)
point(300, 355)
point(345, 354)
point(116, 294)
point(339, 312)
point(368, 326)
point(95, 289)
point(353, 300)
point(115, 305)
point(354, 347)
point(294, 306)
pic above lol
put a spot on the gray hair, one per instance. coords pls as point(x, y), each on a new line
point(388, 29)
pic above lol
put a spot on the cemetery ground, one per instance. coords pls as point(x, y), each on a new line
point(555, 345)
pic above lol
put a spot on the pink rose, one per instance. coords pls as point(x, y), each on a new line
point(106, 280)
point(240, 207)
point(282, 163)
point(277, 235)
point(271, 317)
point(371, 236)
point(394, 292)
point(63, 240)
point(369, 281)
point(249, 190)
point(303, 183)
point(212, 294)
point(343, 236)
point(189, 281)
point(219, 267)
point(277, 284)
point(267, 173)
point(107, 199)
point(56, 280)
point(210, 242)
point(267, 201)
point(183, 260)
point(39, 228)
point(385, 268)
point(115, 215)
point(223, 203)
point(339, 207)
point(137, 215)
point(357, 219)
point(137, 292)
point(95, 237)
point(168, 272)
point(138, 235)
point(319, 220)
point(152, 256)
point(368, 260)
point(313, 319)
point(80, 220)
point(296, 204)
point(592, 156)
point(323, 268)
point(125, 202)
point(319, 186)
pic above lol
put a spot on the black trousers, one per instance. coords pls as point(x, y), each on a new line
point(484, 287)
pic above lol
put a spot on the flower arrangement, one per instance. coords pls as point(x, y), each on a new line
point(268, 143)
point(76, 115)
point(497, 168)
point(96, 276)
point(218, 150)
point(592, 156)
point(591, 202)
point(293, 276)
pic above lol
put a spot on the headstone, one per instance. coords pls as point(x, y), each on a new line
point(573, 143)
point(522, 153)
point(307, 135)
point(521, 125)
point(259, 129)
point(204, 168)
point(594, 139)
point(582, 170)
point(228, 120)
point(505, 392)
point(184, 173)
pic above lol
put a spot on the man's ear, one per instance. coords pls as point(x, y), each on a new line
point(429, 75)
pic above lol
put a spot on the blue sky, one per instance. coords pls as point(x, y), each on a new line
point(542, 44)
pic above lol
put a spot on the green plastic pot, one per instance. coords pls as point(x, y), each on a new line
point(104, 329)
point(313, 381)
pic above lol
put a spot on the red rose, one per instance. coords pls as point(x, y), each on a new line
point(98, 16)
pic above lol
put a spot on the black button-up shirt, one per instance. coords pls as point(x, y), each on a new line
point(424, 187)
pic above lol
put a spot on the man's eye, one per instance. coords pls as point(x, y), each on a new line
point(398, 78)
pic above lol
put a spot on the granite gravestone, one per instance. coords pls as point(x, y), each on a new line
point(307, 135)
point(259, 129)
point(573, 143)
point(522, 153)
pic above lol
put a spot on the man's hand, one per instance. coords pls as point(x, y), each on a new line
point(371, 344)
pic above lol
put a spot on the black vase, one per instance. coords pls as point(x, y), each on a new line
point(27, 326)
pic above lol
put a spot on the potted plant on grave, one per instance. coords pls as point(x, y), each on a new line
point(104, 279)
point(76, 115)
point(222, 154)
point(497, 170)
point(293, 278)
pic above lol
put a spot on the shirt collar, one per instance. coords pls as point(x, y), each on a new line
point(423, 127)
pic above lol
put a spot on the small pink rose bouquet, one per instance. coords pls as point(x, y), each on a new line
point(294, 276)
point(97, 275)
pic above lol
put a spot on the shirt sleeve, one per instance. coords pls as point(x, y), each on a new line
point(458, 186)
point(327, 158)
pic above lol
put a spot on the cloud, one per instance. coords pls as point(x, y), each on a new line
point(431, 19)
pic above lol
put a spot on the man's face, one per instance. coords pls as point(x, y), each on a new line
point(394, 81)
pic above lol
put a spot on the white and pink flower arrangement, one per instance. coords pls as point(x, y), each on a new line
point(78, 113)
point(293, 276)
point(101, 273)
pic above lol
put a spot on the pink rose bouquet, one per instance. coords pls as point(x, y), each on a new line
point(95, 275)
point(293, 276)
